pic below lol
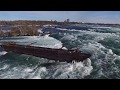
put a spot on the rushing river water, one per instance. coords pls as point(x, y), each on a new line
point(102, 42)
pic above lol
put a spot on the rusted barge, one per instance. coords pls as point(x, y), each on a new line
point(61, 55)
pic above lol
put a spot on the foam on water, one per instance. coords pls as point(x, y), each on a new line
point(2, 53)
point(104, 63)
point(102, 56)
point(73, 70)
point(39, 73)
point(6, 66)
point(42, 41)
point(43, 71)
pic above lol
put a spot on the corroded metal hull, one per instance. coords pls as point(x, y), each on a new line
point(52, 54)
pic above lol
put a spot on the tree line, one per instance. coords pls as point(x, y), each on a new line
point(33, 22)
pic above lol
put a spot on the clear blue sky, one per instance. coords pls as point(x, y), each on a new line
point(80, 16)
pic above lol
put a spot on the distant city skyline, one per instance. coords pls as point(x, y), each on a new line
point(112, 17)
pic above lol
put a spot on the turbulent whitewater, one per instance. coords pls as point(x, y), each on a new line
point(102, 42)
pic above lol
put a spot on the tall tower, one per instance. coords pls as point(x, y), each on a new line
point(68, 20)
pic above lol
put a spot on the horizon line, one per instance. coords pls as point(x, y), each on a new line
point(60, 21)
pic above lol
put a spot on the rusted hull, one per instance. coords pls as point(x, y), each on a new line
point(52, 54)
